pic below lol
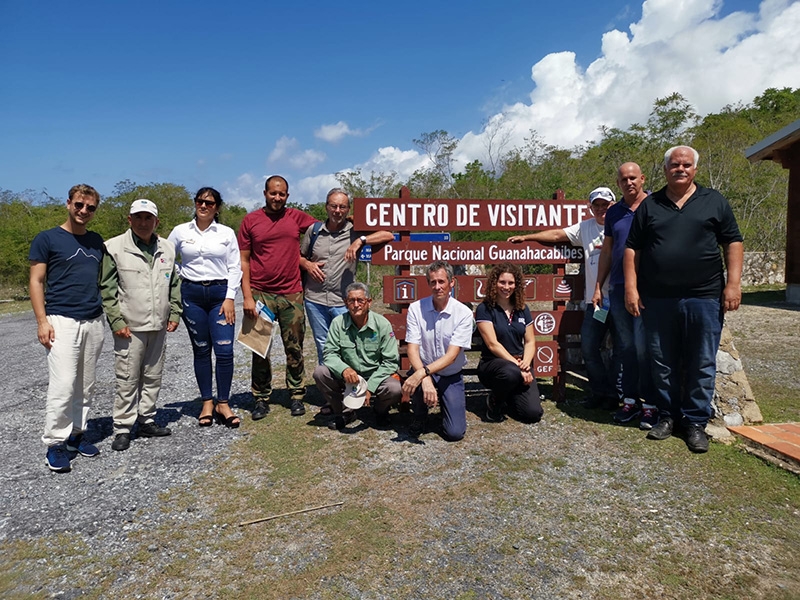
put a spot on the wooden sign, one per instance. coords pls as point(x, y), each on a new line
point(473, 253)
point(398, 289)
point(442, 214)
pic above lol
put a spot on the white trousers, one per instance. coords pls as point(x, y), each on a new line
point(138, 365)
point(71, 362)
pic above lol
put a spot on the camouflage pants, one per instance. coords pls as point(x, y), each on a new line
point(289, 316)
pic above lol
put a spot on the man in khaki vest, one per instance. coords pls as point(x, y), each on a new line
point(142, 301)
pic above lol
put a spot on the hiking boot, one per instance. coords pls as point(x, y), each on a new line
point(76, 443)
point(629, 411)
point(58, 459)
point(649, 417)
point(260, 410)
point(494, 410)
point(122, 441)
point(152, 430)
point(696, 438)
point(298, 409)
point(661, 431)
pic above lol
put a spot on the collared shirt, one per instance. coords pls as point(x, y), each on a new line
point(208, 255)
point(679, 254)
point(588, 234)
point(434, 332)
point(330, 248)
point(371, 351)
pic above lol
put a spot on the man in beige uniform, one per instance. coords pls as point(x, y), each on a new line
point(141, 298)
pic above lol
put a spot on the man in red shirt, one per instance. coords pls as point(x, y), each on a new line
point(269, 243)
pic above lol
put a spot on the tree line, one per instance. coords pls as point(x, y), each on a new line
point(757, 192)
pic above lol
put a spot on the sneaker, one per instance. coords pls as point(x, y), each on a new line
point(341, 421)
point(76, 443)
point(260, 410)
point(298, 409)
point(662, 430)
point(649, 417)
point(494, 411)
point(629, 411)
point(57, 459)
point(151, 429)
point(122, 441)
point(696, 438)
point(417, 427)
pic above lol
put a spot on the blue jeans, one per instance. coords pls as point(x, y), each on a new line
point(683, 338)
point(635, 379)
point(602, 382)
point(207, 328)
point(452, 402)
point(320, 318)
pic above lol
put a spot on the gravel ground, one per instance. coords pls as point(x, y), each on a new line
point(555, 510)
point(100, 495)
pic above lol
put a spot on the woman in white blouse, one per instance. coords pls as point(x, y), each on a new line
point(211, 273)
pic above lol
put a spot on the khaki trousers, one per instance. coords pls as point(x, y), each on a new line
point(138, 365)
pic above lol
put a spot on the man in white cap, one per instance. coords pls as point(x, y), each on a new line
point(141, 298)
point(588, 234)
point(360, 344)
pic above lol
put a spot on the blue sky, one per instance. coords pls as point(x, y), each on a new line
point(225, 94)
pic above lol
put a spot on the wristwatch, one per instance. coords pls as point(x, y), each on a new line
point(427, 371)
point(363, 239)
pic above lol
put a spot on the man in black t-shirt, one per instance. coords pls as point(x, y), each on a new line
point(65, 262)
point(674, 279)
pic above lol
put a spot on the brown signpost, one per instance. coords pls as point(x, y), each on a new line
point(406, 214)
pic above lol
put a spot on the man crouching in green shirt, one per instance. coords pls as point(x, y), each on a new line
point(141, 295)
point(360, 343)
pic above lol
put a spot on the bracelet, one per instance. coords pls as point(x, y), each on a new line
point(427, 371)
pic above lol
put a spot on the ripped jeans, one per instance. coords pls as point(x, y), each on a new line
point(207, 328)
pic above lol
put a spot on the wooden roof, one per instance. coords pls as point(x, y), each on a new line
point(770, 147)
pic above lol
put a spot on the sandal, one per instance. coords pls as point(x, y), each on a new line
point(206, 420)
point(232, 422)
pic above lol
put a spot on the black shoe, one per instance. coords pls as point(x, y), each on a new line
point(153, 430)
point(417, 427)
point(494, 411)
point(339, 422)
point(662, 431)
point(260, 410)
point(696, 438)
point(383, 420)
point(122, 441)
point(298, 409)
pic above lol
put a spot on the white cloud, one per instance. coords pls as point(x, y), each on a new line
point(287, 150)
point(311, 190)
point(245, 191)
point(336, 132)
point(675, 46)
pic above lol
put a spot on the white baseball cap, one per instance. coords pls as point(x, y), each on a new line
point(144, 205)
point(602, 193)
point(355, 394)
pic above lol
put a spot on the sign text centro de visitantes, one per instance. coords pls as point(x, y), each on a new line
point(432, 214)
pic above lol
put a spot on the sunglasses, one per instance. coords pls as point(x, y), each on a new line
point(81, 205)
point(205, 203)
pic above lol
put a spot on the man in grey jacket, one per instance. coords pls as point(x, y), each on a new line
point(141, 298)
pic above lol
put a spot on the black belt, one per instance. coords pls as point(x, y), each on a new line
point(210, 282)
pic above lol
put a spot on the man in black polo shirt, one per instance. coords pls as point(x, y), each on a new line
point(674, 279)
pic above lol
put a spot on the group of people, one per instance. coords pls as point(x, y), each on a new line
point(654, 280)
